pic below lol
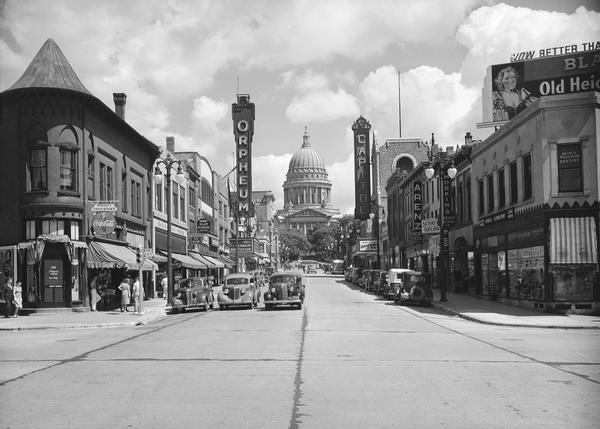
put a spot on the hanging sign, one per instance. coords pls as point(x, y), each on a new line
point(362, 169)
point(243, 130)
point(103, 223)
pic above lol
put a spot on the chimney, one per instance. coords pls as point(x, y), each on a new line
point(171, 144)
point(468, 139)
point(120, 99)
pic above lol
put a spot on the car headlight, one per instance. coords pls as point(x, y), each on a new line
point(225, 290)
point(273, 290)
point(242, 291)
point(291, 288)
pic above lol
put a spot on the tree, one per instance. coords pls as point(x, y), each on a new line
point(292, 244)
point(322, 241)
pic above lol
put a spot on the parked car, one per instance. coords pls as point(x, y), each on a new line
point(192, 293)
point(410, 287)
point(380, 282)
point(311, 269)
point(287, 288)
point(239, 290)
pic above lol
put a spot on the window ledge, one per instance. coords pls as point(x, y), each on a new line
point(38, 193)
point(66, 193)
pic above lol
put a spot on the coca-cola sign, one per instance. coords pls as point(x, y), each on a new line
point(103, 223)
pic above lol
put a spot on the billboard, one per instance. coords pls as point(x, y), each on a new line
point(510, 87)
point(243, 130)
point(362, 169)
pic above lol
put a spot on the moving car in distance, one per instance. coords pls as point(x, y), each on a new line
point(286, 288)
point(239, 290)
point(411, 287)
point(337, 266)
point(192, 293)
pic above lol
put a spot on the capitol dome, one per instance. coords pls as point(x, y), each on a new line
point(306, 159)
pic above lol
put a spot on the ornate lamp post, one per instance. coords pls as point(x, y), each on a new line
point(445, 178)
point(374, 215)
point(169, 162)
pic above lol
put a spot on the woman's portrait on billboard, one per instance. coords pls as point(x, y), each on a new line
point(509, 99)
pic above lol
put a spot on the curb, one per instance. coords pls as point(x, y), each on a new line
point(516, 325)
point(139, 322)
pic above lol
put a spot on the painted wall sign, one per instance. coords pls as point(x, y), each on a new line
point(243, 130)
point(555, 50)
point(103, 223)
point(362, 169)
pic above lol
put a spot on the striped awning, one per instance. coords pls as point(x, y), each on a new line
point(573, 240)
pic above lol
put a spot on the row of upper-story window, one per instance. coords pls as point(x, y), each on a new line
point(503, 188)
point(101, 172)
point(178, 200)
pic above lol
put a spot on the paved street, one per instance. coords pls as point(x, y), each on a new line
point(346, 360)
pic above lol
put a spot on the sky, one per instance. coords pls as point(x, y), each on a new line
point(304, 63)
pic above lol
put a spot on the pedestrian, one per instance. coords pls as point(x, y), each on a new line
point(17, 299)
point(137, 295)
point(165, 285)
point(94, 297)
point(125, 289)
point(8, 296)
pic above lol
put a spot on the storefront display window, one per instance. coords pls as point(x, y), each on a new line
point(526, 273)
point(573, 281)
point(484, 275)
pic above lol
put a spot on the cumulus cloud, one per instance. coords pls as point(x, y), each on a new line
point(491, 34)
point(269, 174)
point(322, 106)
point(341, 175)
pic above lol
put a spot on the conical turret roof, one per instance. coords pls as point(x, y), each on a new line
point(50, 69)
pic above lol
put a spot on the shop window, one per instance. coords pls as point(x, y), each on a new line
point(514, 184)
point(501, 189)
point(38, 169)
point(68, 170)
point(573, 282)
point(490, 194)
point(526, 273)
point(74, 230)
point(570, 175)
point(527, 179)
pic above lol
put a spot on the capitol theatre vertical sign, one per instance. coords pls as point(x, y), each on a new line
point(362, 169)
point(243, 130)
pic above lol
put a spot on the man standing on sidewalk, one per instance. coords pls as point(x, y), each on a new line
point(165, 284)
point(137, 295)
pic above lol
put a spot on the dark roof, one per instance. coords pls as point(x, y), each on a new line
point(50, 69)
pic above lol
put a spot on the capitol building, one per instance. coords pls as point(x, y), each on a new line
point(307, 191)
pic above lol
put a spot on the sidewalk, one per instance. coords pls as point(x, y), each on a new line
point(152, 310)
point(496, 313)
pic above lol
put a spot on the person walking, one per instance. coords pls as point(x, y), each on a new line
point(137, 295)
point(94, 297)
point(125, 289)
point(165, 285)
point(17, 299)
point(8, 296)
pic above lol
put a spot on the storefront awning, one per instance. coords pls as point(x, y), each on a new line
point(215, 261)
point(207, 262)
point(188, 262)
point(109, 255)
point(227, 261)
point(573, 240)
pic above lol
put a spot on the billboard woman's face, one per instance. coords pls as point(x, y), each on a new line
point(509, 80)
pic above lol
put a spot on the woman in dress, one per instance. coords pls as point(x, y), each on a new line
point(18, 299)
point(125, 289)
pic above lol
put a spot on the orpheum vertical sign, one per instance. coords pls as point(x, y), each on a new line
point(362, 169)
point(243, 129)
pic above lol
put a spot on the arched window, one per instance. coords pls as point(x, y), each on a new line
point(69, 147)
point(404, 163)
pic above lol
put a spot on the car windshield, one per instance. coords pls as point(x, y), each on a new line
point(237, 281)
point(283, 279)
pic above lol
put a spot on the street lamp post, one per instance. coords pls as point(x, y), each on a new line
point(374, 215)
point(444, 178)
point(169, 162)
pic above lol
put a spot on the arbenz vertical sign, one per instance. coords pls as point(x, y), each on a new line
point(362, 169)
point(243, 129)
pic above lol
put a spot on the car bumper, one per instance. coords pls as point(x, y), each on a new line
point(283, 301)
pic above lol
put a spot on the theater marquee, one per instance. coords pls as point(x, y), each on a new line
point(243, 129)
point(362, 169)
